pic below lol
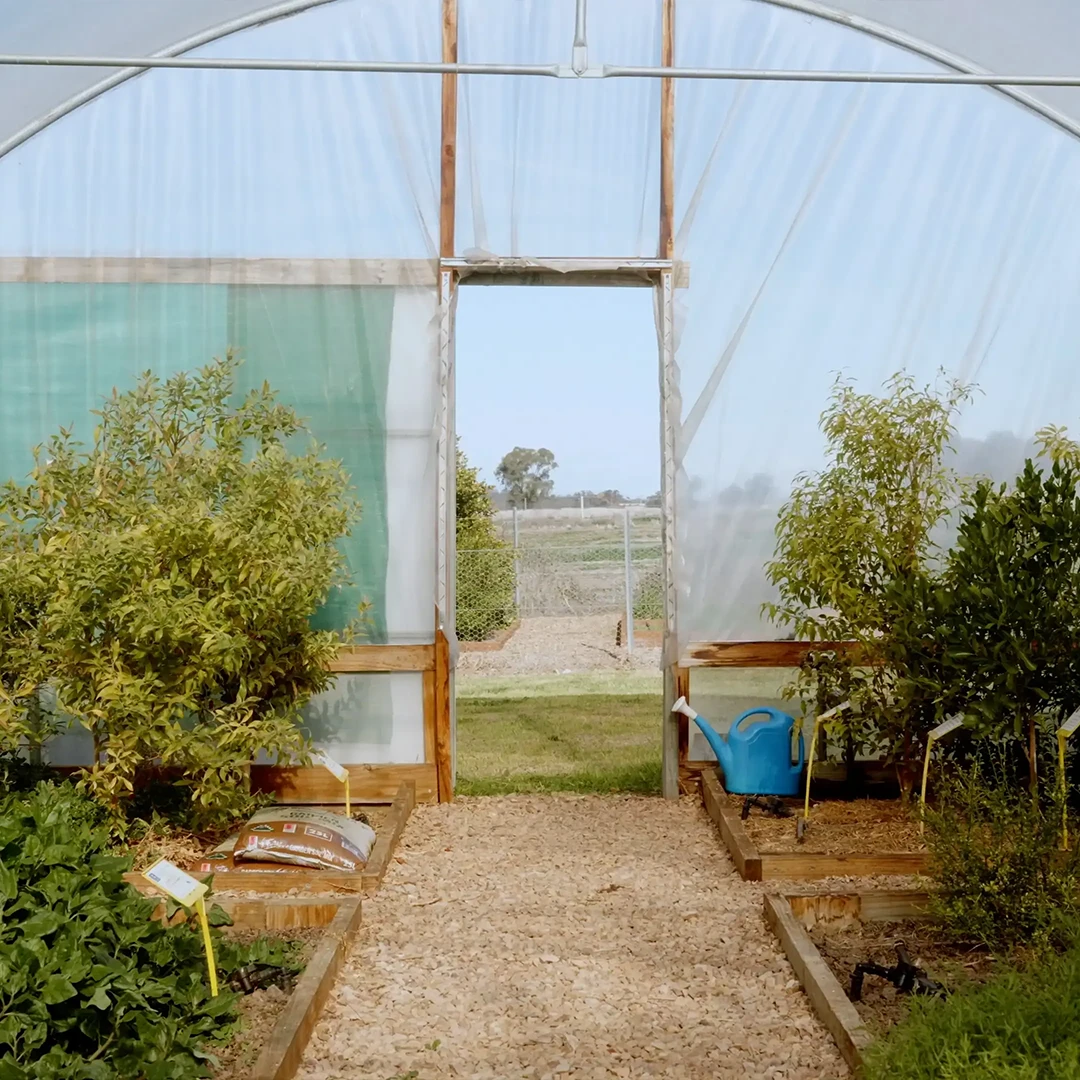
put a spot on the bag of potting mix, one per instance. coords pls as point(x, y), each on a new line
point(303, 836)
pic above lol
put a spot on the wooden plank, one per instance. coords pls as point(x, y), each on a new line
point(429, 717)
point(669, 749)
point(443, 749)
point(757, 653)
point(736, 839)
point(388, 837)
point(826, 995)
point(377, 658)
point(280, 1057)
point(891, 905)
point(667, 133)
point(264, 914)
point(796, 866)
point(448, 162)
point(228, 271)
point(492, 644)
point(367, 783)
point(331, 883)
point(682, 689)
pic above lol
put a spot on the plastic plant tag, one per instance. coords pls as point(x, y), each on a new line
point(174, 882)
point(1071, 724)
point(328, 763)
point(947, 727)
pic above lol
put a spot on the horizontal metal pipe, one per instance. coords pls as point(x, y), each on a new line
point(220, 63)
point(217, 63)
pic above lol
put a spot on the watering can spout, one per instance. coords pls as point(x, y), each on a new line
point(717, 741)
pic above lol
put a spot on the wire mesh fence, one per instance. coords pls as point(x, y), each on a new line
point(544, 575)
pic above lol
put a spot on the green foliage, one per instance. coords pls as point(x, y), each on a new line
point(649, 595)
point(855, 558)
point(1001, 879)
point(1018, 1026)
point(90, 987)
point(526, 475)
point(485, 568)
point(175, 565)
point(1007, 617)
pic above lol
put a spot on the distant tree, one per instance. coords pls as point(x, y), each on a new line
point(525, 475)
point(610, 497)
point(654, 501)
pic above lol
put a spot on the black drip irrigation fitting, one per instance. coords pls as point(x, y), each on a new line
point(769, 803)
point(904, 975)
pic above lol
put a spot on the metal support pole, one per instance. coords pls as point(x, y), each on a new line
point(629, 565)
point(580, 62)
point(517, 567)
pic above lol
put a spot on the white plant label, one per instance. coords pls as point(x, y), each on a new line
point(331, 765)
point(947, 727)
point(834, 710)
point(173, 881)
point(1071, 724)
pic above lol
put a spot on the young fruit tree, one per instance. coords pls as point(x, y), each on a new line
point(1008, 621)
point(180, 558)
point(855, 559)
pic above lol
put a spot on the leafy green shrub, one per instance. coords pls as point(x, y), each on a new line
point(1002, 880)
point(177, 563)
point(1018, 1026)
point(485, 565)
point(649, 595)
point(90, 987)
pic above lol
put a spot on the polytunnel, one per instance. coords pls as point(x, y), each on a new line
point(873, 186)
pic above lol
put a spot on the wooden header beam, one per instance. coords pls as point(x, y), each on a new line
point(755, 654)
point(448, 155)
point(667, 133)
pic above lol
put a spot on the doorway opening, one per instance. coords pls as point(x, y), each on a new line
point(559, 570)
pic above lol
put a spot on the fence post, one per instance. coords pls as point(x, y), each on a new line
point(629, 584)
point(517, 567)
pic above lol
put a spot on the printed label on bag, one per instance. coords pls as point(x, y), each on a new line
point(172, 881)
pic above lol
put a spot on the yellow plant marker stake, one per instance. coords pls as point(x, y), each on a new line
point(946, 727)
point(328, 763)
point(1063, 733)
point(825, 717)
point(188, 892)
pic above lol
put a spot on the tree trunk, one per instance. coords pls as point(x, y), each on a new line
point(1033, 765)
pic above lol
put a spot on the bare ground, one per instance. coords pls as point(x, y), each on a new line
point(566, 936)
point(551, 646)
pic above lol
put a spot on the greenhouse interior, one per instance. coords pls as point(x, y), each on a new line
point(319, 219)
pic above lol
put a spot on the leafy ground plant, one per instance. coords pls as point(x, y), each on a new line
point(90, 987)
point(1001, 879)
point(1021, 1025)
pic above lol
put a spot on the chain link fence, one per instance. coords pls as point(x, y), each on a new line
point(541, 572)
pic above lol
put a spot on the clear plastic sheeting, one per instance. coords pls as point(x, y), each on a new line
point(558, 167)
point(857, 230)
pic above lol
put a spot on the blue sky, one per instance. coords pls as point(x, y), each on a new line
point(573, 369)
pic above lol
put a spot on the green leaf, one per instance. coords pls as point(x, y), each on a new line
point(56, 990)
point(100, 999)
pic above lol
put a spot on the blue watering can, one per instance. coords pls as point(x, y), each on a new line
point(755, 756)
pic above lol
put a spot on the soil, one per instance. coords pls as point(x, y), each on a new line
point(574, 937)
point(259, 1012)
point(881, 1006)
point(837, 827)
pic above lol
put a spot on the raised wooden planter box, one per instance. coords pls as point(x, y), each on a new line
point(492, 644)
point(789, 916)
point(647, 632)
point(318, 881)
point(280, 1056)
point(753, 865)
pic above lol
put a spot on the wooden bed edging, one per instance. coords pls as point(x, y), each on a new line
point(826, 995)
point(790, 916)
point(491, 644)
point(753, 865)
point(280, 1057)
point(333, 882)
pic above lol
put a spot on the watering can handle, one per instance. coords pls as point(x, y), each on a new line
point(802, 755)
point(749, 715)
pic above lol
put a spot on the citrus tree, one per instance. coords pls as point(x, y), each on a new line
point(176, 563)
point(855, 558)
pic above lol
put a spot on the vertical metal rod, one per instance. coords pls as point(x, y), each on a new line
point(581, 46)
point(628, 560)
point(517, 567)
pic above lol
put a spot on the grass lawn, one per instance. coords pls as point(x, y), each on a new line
point(586, 743)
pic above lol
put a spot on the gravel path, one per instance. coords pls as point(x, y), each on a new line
point(555, 937)
point(559, 646)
